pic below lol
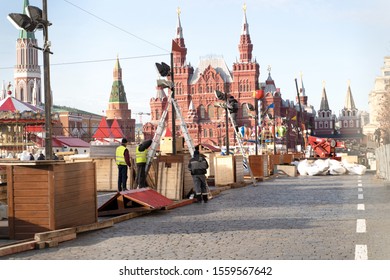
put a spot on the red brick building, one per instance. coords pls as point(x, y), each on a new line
point(194, 93)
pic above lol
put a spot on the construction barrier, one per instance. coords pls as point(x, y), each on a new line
point(382, 155)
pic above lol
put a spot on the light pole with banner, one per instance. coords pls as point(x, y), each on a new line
point(36, 19)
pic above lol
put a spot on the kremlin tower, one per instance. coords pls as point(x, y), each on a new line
point(118, 108)
point(27, 73)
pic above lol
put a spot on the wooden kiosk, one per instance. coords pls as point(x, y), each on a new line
point(49, 195)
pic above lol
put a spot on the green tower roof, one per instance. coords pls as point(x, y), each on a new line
point(118, 94)
point(23, 33)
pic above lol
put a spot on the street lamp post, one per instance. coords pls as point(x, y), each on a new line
point(256, 123)
point(227, 126)
point(224, 97)
point(37, 19)
point(173, 110)
point(165, 70)
point(48, 97)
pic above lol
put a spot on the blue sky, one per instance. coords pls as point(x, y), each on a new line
point(331, 41)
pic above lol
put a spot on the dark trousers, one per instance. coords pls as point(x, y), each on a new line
point(122, 177)
point(141, 176)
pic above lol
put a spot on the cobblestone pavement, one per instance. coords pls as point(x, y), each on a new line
point(284, 218)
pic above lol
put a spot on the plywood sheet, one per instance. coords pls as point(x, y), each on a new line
point(224, 170)
point(170, 179)
point(259, 165)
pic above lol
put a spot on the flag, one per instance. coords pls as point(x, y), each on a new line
point(270, 106)
point(294, 118)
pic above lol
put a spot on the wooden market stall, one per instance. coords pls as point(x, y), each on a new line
point(49, 195)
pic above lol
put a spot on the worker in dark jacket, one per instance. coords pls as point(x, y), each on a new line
point(232, 106)
point(141, 156)
point(198, 166)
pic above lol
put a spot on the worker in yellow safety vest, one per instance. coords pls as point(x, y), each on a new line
point(122, 159)
point(141, 154)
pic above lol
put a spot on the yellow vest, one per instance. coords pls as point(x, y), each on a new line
point(140, 157)
point(120, 157)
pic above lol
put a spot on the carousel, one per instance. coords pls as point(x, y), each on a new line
point(20, 125)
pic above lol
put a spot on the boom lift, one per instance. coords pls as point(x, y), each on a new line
point(324, 147)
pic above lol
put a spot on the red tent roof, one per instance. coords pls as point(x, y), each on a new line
point(60, 141)
point(12, 104)
point(103, 130)
point(168, 132)
point(116, 130)
point(72, 141)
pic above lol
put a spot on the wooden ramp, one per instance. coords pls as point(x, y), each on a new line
point(134, 200)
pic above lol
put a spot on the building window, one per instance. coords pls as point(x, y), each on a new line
point(321, 125)
point(345, 124)
point(205, 133)
point(351, 123)
point(219, 112)
point(326, 124)
point(210, 110)
point(210, 133)
point(244, 110)
point(202, 112)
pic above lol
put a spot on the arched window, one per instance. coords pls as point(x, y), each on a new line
point(210, 133)
point(244, 110)
point(345, 124)
point(351, 123)
point(210, 111)
point(219, 113)
point(202, 112)
point(157, 114)
point(179, 88)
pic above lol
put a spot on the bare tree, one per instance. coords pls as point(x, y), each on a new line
point(383, 134)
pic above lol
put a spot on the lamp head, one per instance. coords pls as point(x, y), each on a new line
point(250, 107)
point(163, 69)
point(220, 95)
point(165, 83)
point(34, 13)
point(22, 22)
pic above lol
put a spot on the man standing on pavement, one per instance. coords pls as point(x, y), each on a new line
point(123, 161)
point(198, 166)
